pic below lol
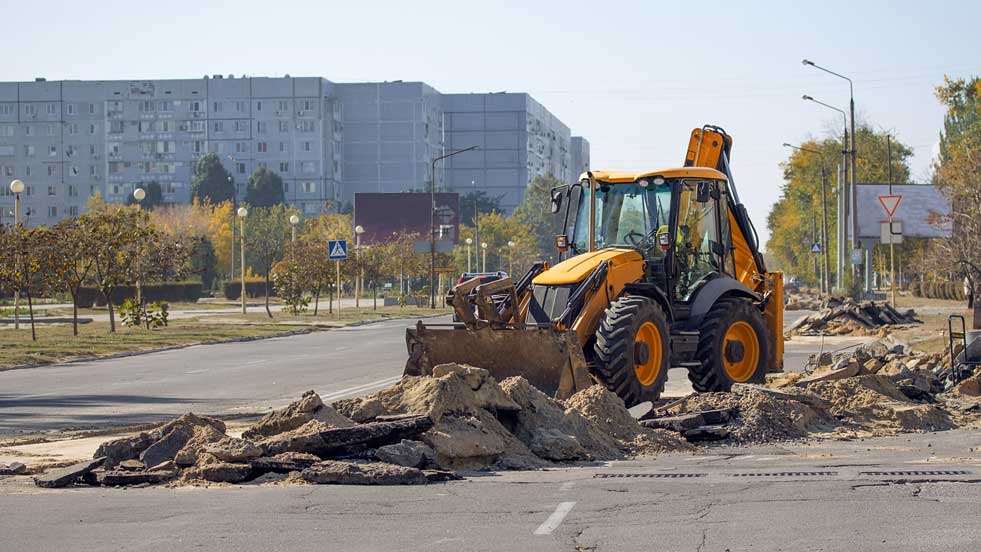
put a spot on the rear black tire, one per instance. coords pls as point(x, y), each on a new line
point(712, 375)
point(616, 352)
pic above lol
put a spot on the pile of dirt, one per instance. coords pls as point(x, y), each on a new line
point(847, 317)
point(422, 429)
point(801, 298)
point(876, 389)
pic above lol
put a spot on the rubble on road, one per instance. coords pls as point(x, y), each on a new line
point(847, 317)
point(801, 298)
point(13, 468)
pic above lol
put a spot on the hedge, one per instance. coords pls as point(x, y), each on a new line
point(172, 292)
point(233, 289)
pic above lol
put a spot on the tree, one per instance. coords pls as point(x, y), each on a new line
point(320, 230)
point(115, 234)
point(265, 188)
point(267, 232)
point(24, 262)
point(316, 270)
point(211, 181)
point(535, 213)
point(71, 260)
point(485, 204)
point(153, 199)
point(956, 175)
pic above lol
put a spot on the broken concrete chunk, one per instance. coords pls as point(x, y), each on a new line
point(790, 394)
point(366, 473)
point(168, 446)
point(848, 370)
point(552, 444)
point(219, 472)
point(706, 433)
point(188, 456)
point(132, 465)
point(262, 466)
point(62, 477)
point(680, 423)
point(13, 468)
point(309, 407)
point(126, 448)
point(411, 454)
point(231, 449)
point(114, 478)
point(304, 439)
point(360, 409)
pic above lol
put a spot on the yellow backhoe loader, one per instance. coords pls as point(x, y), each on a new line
point(662, 270)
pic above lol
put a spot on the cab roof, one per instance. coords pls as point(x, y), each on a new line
point(679, 172)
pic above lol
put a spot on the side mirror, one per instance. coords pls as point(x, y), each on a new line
point(562, 243)
point(703, 191)
point(556, 201)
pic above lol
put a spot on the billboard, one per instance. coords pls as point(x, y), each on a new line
point(384, 214)
point(921, 204)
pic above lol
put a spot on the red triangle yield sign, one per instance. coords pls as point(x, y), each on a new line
point(890, 203)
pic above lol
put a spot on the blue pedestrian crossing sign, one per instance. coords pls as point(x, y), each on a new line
point(815, 248)
point(337, 250)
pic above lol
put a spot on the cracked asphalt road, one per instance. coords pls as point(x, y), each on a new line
point(703, 502)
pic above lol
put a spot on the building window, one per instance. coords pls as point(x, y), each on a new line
point(52, 151)
point(241, 126)
point(52, 212)
point(91, 149)
point(307, 146)
point(282, 147)
point(51, 191)
point(8, 171)
point(70, 108)
point(51, 172)
point(219, 126)
point(240, 147)
point(216, 107)
point(52, 130)
point(93, 128)
point(240, 106)
point(91, 109)
point(262, 147)
point(306, 126)
point(195, 106)
point(115, 127)
point(284, 167)
point(72, 191)
point(282, 105)
point(309, 187)
point(28, 130)
point(93, 171)
point(308, 167)
point(166, 105)
point(72, 129)
point(7, 131)
point(197, 146)
point(196, 126)
point(284, 126)
point(240, 168)
point(6, 109)
point(307, 105)
point(258, 105)
point(28, 171)
point(286, 187)
point(52, 109)
point(29, 109)
point(260, 127)
point(73, 211)
point(147, 106)
point(69, 151)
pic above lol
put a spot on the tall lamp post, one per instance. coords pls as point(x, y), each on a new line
point(847, 202)
point(139, 194)
point(469, 243)
point(359, 281)
point(242, 213)
point(234, 208)
point(483, 245)
point(826, 281)
point(294, 220)
point(432, 223)
point(510, 255)
point(17, 187)
point(853, 195)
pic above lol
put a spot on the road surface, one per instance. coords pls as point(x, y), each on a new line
point(231, 378)
point(827, 496)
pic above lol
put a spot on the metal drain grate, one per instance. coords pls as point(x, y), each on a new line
point(918, 472)
point(646, 475)
point(787, 474)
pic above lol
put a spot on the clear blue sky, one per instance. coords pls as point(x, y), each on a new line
point(633, 77)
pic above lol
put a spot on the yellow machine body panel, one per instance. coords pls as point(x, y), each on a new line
point(575, 269)
point(617, 177)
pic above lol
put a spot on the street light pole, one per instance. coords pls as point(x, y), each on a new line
point(234, 209)
point(17, 186)
point(483, 246)
point(432, 223)
point(826, 281)
point(469, 242)
point(510, 256)
point(851, 107)
point(359, 280)
point(242, 213)
point(138, 195)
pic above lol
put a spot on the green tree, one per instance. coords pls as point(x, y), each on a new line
point(267, 233)
point(265, 188)
point(485, 204)
point(24, 262)
point(71, 260)
point(535, 213)
point(211, 182)
point(116, 234)
point(153, 199)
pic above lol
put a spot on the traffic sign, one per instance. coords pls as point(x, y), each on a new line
point(891, 232)
point(856, 257)
point(815, 248)
point(890, 203)
point(337, 250)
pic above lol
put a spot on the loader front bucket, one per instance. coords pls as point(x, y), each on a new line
point(551, 360)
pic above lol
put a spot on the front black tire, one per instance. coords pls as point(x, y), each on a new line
point(632, 349)
point(723, 355)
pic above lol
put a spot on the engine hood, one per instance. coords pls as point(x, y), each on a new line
point(575, 269)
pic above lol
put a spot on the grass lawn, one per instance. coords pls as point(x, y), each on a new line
point(56, 343)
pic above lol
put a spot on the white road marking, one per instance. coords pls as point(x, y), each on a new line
point(260, 361)
point(360, 388)
point(567, 486)
point(341, 348)
point(555, 519)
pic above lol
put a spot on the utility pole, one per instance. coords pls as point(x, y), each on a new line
point(892, 247)
point(814, 239)
point(824, 224)
point(432, 223)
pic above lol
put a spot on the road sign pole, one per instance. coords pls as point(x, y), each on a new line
point(892, 264)
point(337, 264)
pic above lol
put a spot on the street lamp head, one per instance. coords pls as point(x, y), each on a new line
point(483, 245)
point(359, 229)
point(469, 241)
point(806, 97)
point(294, 220)
point(139, 194)
point(510, 244)
point(806, 62)
point(17, 186)
point(786, 145)
point(242, 212)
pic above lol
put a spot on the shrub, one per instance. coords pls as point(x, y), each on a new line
point(172, 292)
point(257, 288)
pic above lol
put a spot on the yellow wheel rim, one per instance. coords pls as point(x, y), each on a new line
point(740, 367)
point(650, 336)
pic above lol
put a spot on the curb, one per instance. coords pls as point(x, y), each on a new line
point(140, 352)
